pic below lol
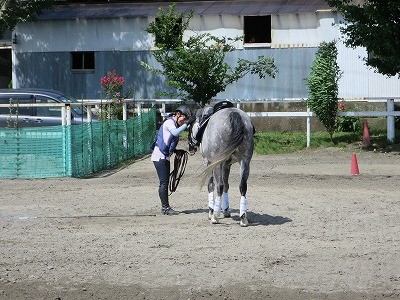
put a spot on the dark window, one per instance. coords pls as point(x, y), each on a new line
point(5, 63)
point(82, 61)
point(47, 111)
point(257, 29)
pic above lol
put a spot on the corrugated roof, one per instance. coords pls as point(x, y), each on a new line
point(222, 7)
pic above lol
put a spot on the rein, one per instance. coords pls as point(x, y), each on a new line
point(180, 161)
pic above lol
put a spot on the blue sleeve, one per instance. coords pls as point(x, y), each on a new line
point(177, 131)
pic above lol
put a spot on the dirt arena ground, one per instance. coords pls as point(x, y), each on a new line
point(316, 233)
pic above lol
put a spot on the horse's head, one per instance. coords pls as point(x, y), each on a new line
point(196, 129)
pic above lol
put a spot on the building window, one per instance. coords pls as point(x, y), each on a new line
point(82, 61)
point(257, 29)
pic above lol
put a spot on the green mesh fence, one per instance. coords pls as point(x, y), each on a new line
point(57, 151)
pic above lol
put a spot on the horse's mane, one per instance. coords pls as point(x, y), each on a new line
point(236, 138)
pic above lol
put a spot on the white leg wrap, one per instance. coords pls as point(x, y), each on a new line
point(211, 200)
point(217, 206)
point(243, 205)
point(225, 201)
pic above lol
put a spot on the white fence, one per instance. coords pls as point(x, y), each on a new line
point(390, 113)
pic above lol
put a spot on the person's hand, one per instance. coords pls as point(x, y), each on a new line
point(191, 120)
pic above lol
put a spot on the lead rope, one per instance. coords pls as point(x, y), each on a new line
point(180, 161)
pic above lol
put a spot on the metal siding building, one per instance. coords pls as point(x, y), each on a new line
point(115, 34)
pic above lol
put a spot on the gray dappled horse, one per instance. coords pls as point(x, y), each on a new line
point(225, 137)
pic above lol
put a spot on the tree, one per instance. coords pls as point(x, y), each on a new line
point(197, 67)
point(17, 11)
point(322, 84)
point(375, 25)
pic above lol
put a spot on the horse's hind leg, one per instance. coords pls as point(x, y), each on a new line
point(219, 190)
point(244, 175)
point(225, 196)
point(210, 187)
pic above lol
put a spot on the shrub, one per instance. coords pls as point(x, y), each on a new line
point(112, 85)
point(322, 84)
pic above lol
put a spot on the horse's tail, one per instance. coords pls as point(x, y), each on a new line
point(236, 138)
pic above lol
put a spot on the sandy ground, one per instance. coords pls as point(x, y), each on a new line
point(316, 233)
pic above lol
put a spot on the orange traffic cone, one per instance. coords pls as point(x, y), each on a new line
point(365, 140)
point(354, 165)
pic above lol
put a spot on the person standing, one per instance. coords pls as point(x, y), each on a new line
point(166, 142)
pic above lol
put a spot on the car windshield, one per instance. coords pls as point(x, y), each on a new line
point(79, 109)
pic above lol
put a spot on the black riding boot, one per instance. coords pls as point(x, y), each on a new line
point(163, 193)
point(166, 209)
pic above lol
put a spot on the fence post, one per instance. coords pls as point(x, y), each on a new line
point(139, 108)
point(308, 127)
point(63, 116)
point(390, 120)
point(89, 113)
point(124, 111)
point(68, 109)
point(163, 109)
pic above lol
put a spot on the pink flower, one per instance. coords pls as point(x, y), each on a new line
point(112, 84)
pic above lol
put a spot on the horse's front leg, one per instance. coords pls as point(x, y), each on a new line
point(211, 201)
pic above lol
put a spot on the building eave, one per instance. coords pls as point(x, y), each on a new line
point(146, 9)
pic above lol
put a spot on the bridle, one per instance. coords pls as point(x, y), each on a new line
point(203, 116)
point(193, 143)
point(202, 120)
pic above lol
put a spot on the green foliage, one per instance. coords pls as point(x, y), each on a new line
point(17, 11)
point(279, 142)
point(197, 67)
point(168, 28)
point(374, 25)
point(289, 142)
point(347, 124)
point(322, 84)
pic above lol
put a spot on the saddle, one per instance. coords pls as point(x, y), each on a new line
point(203, 124)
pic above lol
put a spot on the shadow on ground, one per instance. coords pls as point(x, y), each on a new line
point(255, 219)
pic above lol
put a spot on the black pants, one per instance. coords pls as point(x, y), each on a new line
point(163, 169)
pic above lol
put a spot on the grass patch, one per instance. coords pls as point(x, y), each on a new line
point(288, 142)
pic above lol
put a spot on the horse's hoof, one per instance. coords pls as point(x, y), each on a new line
point(227, 213)
point(214, 221)
point(244, 222)
point(210, 213)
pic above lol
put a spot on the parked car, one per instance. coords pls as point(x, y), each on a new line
point(37, 116)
